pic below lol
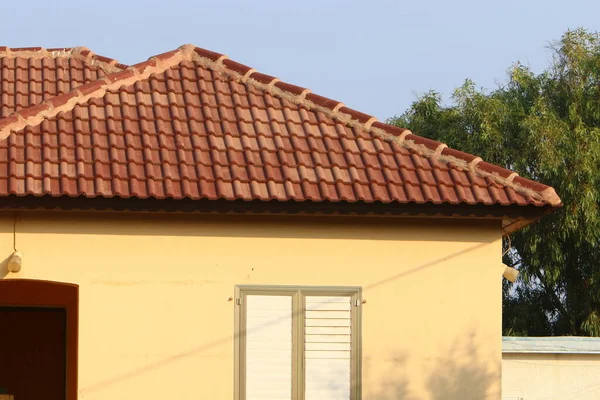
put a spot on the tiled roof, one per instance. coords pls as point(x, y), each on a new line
point(31, 75)
point(193, 124)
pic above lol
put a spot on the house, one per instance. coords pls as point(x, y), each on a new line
point(190, 228)
point(535, 368)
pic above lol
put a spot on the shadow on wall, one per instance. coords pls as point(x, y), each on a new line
point(4, 267)
point(460, 374)
point(253, 226)
point(397, 385)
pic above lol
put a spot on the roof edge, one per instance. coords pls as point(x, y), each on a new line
point(479, 211)
point(108, 65)
point(551, 345)
point(220, 63)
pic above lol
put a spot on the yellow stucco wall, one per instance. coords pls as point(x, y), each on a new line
point(551, 376)
point(156, 320)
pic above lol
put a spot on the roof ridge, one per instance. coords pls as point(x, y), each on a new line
point(298, 95)
point(108, 65)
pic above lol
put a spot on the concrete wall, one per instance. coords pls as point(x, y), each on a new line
point(156, 320)
point(551, 376)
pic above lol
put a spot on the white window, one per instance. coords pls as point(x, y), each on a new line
point(297, 343)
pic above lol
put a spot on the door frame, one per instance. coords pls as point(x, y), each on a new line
point(38, 293)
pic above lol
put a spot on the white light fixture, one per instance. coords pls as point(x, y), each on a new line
point(509, 273)
point(15, 261)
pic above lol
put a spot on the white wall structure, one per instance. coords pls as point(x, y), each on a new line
point(550, 368)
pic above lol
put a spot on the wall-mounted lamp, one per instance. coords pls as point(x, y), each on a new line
point(509, 273)
point(15, 261)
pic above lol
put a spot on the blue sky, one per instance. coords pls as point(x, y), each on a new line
point(373, 55)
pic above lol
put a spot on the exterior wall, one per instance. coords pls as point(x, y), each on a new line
point(157, 319)
point(531, 376)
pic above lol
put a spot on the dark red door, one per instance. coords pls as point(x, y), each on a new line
point(33, 353)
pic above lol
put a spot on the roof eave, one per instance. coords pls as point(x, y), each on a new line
point(513, 217)
point(512, 225)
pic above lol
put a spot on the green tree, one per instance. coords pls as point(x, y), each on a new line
point(546, 127)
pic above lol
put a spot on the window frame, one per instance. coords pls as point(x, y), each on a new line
point(297, 293)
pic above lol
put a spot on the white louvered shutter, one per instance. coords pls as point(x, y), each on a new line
point(268, 347)
point(327, 347)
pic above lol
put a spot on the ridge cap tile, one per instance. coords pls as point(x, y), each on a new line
point(79, 52)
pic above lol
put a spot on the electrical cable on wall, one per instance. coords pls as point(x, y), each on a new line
point(15, 231)
point(16, 259)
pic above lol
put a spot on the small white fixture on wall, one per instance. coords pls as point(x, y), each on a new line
point(15, 262)
point(509, 273)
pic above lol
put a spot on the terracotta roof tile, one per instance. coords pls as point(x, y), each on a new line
point(191, 123)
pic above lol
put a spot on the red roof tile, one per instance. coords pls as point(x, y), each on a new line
point(191, 123)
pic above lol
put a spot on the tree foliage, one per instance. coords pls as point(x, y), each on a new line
point(546, 127)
